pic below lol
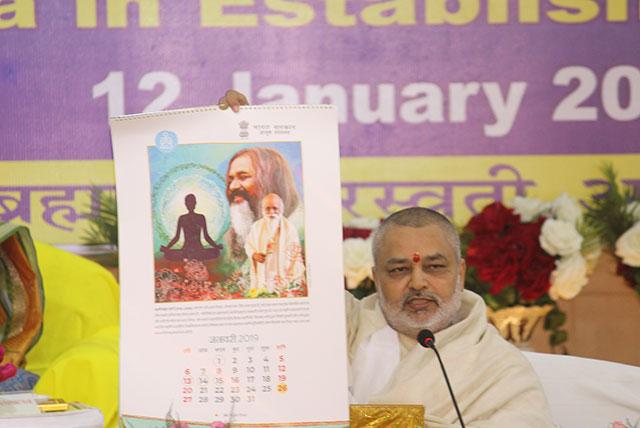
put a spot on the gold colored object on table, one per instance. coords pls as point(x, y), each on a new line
point(386, 415)
point(53, 405)
point(516, 324)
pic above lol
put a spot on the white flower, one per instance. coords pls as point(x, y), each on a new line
point(566, 208)
point(560, 237)
point(363, 223)
point(628, 246)
point(569, 277)
point(634, 209)
point(358, 260)
point(528, 208)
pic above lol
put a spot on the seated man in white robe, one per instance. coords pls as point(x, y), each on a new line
point(273, 247)
point(419, 276)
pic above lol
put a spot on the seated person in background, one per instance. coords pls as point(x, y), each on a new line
point(273, 247)
point(419, 276)
point(193, 225)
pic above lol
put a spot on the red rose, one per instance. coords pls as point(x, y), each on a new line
point(627, 272)
point(355, 232)
point(506, 252)
point(535, 280)
point(493, 261)
point(493, 219)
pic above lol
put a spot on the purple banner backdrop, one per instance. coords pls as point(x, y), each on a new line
point(537, 80)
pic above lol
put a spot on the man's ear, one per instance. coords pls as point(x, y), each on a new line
point(373, 275)
point(462, 271)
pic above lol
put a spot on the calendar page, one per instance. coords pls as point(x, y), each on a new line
point(232, 304)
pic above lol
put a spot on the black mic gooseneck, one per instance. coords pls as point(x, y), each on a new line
point(428, 340)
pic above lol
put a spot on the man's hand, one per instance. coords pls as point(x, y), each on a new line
point(233, 99)
point(259, 257)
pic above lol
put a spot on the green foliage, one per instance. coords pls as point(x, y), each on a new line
point(232, 288)
point(558, 337)
point(608, 214)
point(364, 289)
point(103, 222)
point(555, 319)
point(553, 322)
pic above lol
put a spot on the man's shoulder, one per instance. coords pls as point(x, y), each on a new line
point(505, 354)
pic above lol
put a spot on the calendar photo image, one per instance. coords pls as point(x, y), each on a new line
point(230, 265)
point(228, 221)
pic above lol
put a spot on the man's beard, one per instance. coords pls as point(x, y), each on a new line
point(246, 197)
point(242, 218)
point(444, 316)
point(272, 224)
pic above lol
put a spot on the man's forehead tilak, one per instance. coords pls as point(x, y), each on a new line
point(416, 257)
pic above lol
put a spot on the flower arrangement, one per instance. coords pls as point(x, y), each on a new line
point(615, 215)
point(357, 256)
point(530, 254)
point(190, 280)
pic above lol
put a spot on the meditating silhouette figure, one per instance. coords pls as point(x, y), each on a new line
point(193, 225)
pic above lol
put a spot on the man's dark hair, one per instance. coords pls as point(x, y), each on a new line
point(273, 175)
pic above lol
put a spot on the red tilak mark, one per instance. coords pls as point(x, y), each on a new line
point(416, 257)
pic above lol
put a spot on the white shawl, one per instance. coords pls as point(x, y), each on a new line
point(494, 383)
point(283, 263)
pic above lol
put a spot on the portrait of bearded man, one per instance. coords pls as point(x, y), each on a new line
point(254, 173)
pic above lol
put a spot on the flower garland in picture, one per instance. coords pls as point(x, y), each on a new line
point(615, 215)
point(531, 254)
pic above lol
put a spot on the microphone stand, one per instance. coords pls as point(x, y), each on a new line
point(446, 378)
point(428, 340)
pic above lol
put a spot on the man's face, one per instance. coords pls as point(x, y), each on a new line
point(271, 207)
point(418, 278)
point(241, 181)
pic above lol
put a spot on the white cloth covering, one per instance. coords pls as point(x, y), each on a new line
point(283, 264)
point(494, 384)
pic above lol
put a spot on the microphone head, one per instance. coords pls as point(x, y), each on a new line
point(426, 338)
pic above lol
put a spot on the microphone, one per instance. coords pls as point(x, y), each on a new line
point(428, 340)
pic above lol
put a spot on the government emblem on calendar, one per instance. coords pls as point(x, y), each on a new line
point(244, 126)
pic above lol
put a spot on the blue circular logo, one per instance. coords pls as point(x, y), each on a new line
point(166, 141)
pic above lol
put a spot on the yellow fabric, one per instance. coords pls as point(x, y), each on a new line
point(77, 355)
point(81, 298)
point(88, 373)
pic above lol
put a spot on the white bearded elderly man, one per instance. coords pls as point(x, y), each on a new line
point(273, 247)
point(419, 275)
